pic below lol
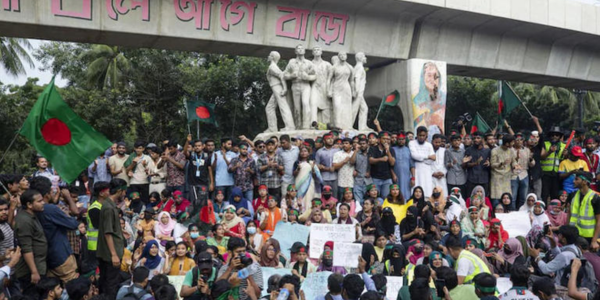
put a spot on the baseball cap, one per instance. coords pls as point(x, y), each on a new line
point(298, 247)
point(577, 151)
point(204, 261)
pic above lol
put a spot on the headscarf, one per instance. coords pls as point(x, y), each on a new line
point(410, 223)
point(136, 205)
point(541, 219)
point(474, 191)
point(435, 255)
point(506, 207)
point(420, 202)
point(411, 249)
point(388, 223)
point(481, 256)
point(396, 263)
point(456, 191)
point(494, 237)
point(368, 250)
point(151, 261)
point(312, 214)
point(525, 206)
point(234, 222)
point(524, 245)
point(165, 229)
point(441, 200)
point(265, 261)
point(237, 192)
point(556, 219)
point(515, 246)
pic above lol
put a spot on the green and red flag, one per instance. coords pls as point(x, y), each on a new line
point(201, 111)
point(61, 136)
point(507, 101)
point(479, 124)
point(392, 99)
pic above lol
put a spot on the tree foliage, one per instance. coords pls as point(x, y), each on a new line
point(12, 53)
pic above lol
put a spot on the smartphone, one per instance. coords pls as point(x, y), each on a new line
point(546, 229)
point(439, 287)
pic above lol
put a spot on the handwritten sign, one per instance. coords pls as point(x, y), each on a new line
point(268, 272)
point(393, 286)
point(287, 234)
point(315, 284)
point(322, 233)
point(346, 254)
point(503, 284)
point(515, 223)
point(176, 281)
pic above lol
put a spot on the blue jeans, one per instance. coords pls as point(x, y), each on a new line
point(383, 186)
point(359, 193)
point(519, 192)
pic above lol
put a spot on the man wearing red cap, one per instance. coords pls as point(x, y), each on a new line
point(570, 166)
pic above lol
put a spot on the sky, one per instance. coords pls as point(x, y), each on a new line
point(43, 76)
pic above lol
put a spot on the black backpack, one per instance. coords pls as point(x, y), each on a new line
point(585, 277)
point(131, 295)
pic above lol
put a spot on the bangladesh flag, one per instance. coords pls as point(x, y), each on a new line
point(201, 111)
point(507, 101)
point(392, 99)
point(61, 136)
point(479, 124)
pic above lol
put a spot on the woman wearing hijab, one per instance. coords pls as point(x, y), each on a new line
point(388, 225)
point(151, 260)
point(241, 205)
point(163, 230)
point(437, 260)
point(418, 198)
point(269, 254)
point(232, 224)
point(511, 254)
point(370, 256)
point(308, 214)
point(395, 263)
point(415, 251)
point(369, 219)
point(397, 203)
point(479, 192)
point(556, 215)
point(497, 236)
point(530, 201)
point(438, 201)
point(506, 201)
point(455, 231)
point(538, 216)
point(412, 227)
point(327, 263)
point(472, 226)
point(455, 191)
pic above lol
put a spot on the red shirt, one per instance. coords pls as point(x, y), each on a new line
point(179, 207)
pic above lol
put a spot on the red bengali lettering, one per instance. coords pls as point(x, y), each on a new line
point(238, 12)
point(297, 15)
point(84, 13)
point(11, 5)
point(330, 27)
point(199, 10)
point(116, 8)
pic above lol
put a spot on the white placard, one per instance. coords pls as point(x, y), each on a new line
point(268, 272)
point(322, 233)
point(504, 284)
point(315, 284)
point(515, 223)
point(393, 286)
point(346, 254)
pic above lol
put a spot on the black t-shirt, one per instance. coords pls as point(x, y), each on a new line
point(381, 170)
point(198, 168)
point(535, 172)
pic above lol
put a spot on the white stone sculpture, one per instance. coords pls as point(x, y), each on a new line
point(301, 72)
point(359, 105)
point(341, 90)
point(278, 85)
point(320, 107)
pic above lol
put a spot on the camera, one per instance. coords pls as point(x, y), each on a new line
point(462, 120)
point(204, 278)
point(245, 261)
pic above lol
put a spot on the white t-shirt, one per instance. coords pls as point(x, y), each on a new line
point(116, 163)
point(345, 173)
point(140, 174)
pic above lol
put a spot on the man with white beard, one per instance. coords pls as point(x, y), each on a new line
point(423, 154)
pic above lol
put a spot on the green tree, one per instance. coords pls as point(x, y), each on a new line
point(108, 68)
point(12, 52)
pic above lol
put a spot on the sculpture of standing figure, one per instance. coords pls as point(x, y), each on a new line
point(301, 72)
point(320, 105)
point(359, 105)
point(341, 89)
point(277, 82)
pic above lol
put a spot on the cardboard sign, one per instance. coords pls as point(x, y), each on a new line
point(322, 233)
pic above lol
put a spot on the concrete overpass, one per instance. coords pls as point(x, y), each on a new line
point(551, 42)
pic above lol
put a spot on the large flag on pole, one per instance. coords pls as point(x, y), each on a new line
point(201, 111)
point(391, 99)
point(507, 101)
point(61, 136)
point(479, 124)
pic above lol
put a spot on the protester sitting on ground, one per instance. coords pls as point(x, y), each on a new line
point(567, 236)
point(422, 272)
point(334, 285)
point(80, 289)
point(519, 275)
point(137, 288)
point(485, 286)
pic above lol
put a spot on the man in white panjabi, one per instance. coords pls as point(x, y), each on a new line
point(301, 72)
point(424, 156)
point(278, 99)
point(359, 105)
point(319, 102)
point(439, 170)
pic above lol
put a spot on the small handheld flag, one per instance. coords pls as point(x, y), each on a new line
point(391, 99)
point(201, 111)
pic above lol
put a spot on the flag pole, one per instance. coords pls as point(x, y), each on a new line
point(519, 98)
point(7, 191)
point(380, 105)
point(198, 128)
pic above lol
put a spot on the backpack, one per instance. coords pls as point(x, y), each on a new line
point(585, 277)
point(131, 295)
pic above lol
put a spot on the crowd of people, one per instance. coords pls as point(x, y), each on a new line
point(424, 207)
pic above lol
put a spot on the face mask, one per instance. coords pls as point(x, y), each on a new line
point(554, 213)
point(194, 235)
point(328, 262)
point(436, 195)
point(418, 250)
point(251, 230)
point(326, 196)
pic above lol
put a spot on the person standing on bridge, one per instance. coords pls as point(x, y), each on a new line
point(301, 72)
